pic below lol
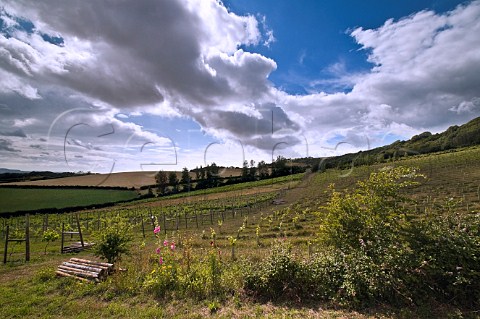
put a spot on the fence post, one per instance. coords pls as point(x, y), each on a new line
point(6, 245)
point(27, 238)
point(164, 223)
point(63, 229)
point(143, 227)
point(79, 230)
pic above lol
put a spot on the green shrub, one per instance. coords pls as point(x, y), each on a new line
point(375, 250)
point(278, 276)
point(375, 254)
point(448, 251)
point(113, 241)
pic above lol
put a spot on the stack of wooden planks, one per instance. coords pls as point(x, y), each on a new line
point(76, 247)
point(84, 270)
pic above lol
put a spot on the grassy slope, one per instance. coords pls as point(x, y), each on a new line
point(30, 290)
point(16, 199)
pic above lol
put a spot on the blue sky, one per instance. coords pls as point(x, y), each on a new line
point(185, 83)
point(312, 36)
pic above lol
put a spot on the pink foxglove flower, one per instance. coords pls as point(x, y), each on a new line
point(160, 260)
point(165, 243)
point(172, 246)
point(158, 250)
point(156, 230)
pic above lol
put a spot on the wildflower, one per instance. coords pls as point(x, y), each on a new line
point(165, 243)
point(160, 260)
point(158, 250)
point(172, 246)
point(362, 243)
point(156, 230)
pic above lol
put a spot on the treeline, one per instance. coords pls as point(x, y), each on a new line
point(70, 209)
point(34, 176)
point(68, 187)
point(454, 137)
point(209, 176)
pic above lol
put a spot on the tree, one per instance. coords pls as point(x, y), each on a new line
point(161, 179)
point(212, 175)
point(245, 171)
point(279, 167)
point(262, 169)
point(197, 174)
point(185, 179)
point(253, 170)
point(173, 181)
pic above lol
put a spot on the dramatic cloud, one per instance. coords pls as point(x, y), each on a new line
point(182, 55)
point(17, 133)
point(425, 77)
point(5, 146)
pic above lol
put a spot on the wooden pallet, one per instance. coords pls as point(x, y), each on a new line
point(84, 270)
point(76, 247)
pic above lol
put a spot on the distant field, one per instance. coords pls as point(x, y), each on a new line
point(124, 179)
point(17, 199)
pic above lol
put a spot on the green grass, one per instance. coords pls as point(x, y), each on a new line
point(19, 199)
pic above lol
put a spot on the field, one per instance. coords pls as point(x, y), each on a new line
point(222, 237)
point(19, 199)
point(124, 179)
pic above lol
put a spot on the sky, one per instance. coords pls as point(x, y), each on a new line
point(116, 85)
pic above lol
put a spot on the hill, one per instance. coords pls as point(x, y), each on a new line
point(453, 138)
point(11, 171)
point(122, 179)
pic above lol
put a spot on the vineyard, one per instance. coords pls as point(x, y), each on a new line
point(221, 251)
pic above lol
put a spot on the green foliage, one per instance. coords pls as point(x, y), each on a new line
point(278, 276)
point(373, 249)
point(113, 241)
point(448, 253)
point(186, 180)
point(376, 254)
point(45, 274)
point(49, 235)
point(213, 307)
point(372, 213)
point(161, 179)
point(163, 278)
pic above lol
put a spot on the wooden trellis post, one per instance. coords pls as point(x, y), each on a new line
point(64, 249)
point(164, 223)
point(26, 240)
